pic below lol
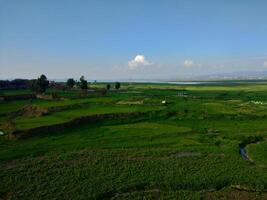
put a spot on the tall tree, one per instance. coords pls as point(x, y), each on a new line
point(117, 85)
point(39, 85)
point(108, 86)
point(70, 82)
point(43, 83)
point(83, 83)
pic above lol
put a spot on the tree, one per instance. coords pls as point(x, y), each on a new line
point(83, 83)
point(70, 82)
point(42, 84)
point(117, 85)
point(108, 86)
point(39, 85)
point(32, 85)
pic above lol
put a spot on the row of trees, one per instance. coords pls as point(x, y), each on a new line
point(40, 84)
point(84, 85)
point(16, 84)
point(117, 86)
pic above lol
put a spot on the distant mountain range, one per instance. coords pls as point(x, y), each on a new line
point(242, 75)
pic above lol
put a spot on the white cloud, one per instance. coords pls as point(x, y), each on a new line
point(188, 63)
point(138, 61)
point(265, 63)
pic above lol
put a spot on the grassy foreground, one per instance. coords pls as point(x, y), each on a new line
point(186, 149)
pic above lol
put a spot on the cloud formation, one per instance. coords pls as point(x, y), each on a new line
point(265, 63)
point(188, 63)
point(138, 61)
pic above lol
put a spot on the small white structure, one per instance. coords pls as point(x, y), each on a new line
point(163, 102)
point(258, 102)
point(1, 133)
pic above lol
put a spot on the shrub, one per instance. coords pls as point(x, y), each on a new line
point(117, 85)
point(70, 82)
point(83, 83)
point(108, 86)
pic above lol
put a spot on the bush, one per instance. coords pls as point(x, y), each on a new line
point(83, 83)
point(39, 85)
point(70, 82)
point(108, 86)
point(117, 85)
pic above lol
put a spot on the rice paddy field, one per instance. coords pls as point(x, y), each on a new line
point(128, 144)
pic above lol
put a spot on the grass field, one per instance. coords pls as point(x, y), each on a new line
point(186, 149)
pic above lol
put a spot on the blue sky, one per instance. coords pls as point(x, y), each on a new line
point(127, 39)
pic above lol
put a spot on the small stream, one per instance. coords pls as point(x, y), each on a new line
point(247, 141)
point(243, 152)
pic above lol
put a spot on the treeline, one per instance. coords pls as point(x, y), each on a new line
point(38, 85)
point(84, 85)
point(41, 84)
point(16, 83)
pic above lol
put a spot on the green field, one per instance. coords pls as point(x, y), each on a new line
point(188, 148)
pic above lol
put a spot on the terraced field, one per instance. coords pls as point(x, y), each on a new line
point(128, 145)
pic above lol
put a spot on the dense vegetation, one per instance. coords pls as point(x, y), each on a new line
point(184, 148)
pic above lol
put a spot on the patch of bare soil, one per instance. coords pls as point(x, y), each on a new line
point(33, 111)
point(212, 131)
point(245, 188)
point(130, 102)
point(235, 195)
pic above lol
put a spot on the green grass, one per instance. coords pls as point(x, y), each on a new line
point(68, 115)
point(257, 152)
point(122, 171)
point(11, 92)
point(188, 149)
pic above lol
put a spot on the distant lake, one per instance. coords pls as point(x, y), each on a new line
point(181, 82)
point(212, 82)
point(161, 82)
point(187, 83)
point(169, 82)
point(230, 82)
